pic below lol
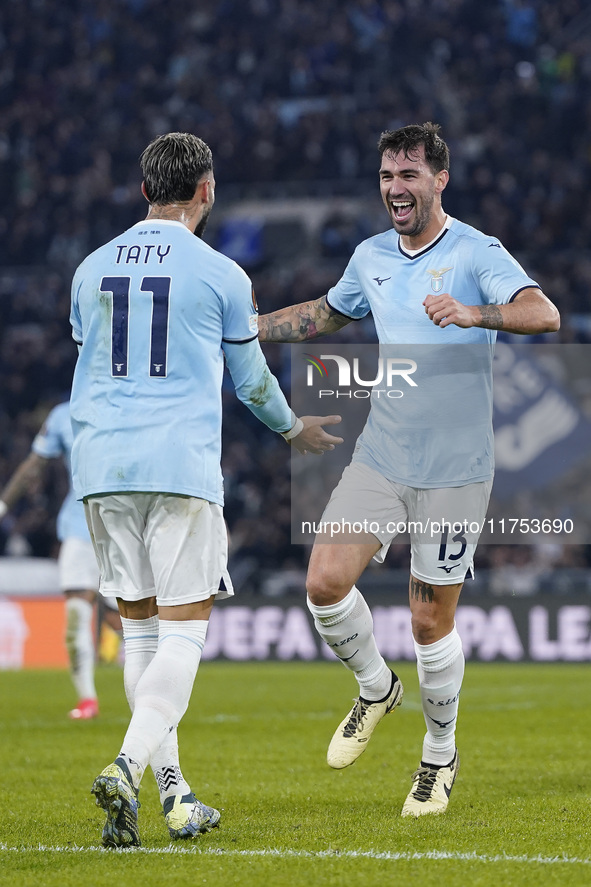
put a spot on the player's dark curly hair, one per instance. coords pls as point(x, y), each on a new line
point(408, 138)
point(172, 166)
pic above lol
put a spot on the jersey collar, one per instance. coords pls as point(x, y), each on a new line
point(415, 253)
point(159, 222)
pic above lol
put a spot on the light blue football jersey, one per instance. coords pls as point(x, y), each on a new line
point(54, 441)
point(439, 432)
point(153, 310)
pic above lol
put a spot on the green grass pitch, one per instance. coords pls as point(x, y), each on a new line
point(253, 744)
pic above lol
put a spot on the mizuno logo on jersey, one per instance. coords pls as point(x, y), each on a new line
point(437, 278)
point(381, 280)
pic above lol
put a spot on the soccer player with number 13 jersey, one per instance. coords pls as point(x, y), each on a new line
point(429, 281)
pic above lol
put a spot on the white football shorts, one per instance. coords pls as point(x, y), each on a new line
point(173, 548)
point(443, 524)
point(77, 566)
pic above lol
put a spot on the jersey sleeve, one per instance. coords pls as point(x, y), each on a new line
point(256, 386)
point(75, 319)
point(239, 307)
point(499, 276)
point(347, 296)
point(48, 443)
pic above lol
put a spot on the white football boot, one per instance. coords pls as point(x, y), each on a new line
point(354, 732)
point(431, 788)
point(186, 816)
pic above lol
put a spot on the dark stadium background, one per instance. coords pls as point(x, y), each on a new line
point(291, 96)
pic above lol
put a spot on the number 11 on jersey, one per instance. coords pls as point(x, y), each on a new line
point(119, 287)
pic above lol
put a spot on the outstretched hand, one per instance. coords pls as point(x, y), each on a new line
point(313, 438)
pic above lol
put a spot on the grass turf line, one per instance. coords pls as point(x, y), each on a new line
point(253, 743)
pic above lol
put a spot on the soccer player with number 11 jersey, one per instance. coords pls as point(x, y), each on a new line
point(156, 313)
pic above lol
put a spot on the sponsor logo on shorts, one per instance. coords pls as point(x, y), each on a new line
point(449, 568)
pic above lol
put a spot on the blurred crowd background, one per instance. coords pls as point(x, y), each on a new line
point(291, 96)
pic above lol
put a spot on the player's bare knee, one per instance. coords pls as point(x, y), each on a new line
point(323, 587)
point(82, 593)
point(429, 626)
point(426, 628)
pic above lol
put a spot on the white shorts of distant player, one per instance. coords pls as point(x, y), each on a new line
point(173, 548)
point(78, 569)
point(443, 524)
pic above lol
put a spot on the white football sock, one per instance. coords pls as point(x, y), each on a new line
point(347, 628)
point(140, 638)
point(162, 693)
point(166, 768)
point(80, 645)
point(141, 643)
point(441, 669)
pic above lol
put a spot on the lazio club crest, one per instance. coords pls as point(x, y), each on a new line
point(437, 278)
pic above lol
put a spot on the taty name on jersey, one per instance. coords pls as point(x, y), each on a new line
point(141, 254)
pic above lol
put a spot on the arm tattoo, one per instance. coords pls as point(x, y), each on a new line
point(491, 317)
point(420, 591)
point(298, 323)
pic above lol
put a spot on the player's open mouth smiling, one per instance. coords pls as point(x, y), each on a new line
point(401, 209)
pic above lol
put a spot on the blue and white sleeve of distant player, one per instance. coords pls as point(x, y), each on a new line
point(499, 276)
point(48, 443)
point(255, 384)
